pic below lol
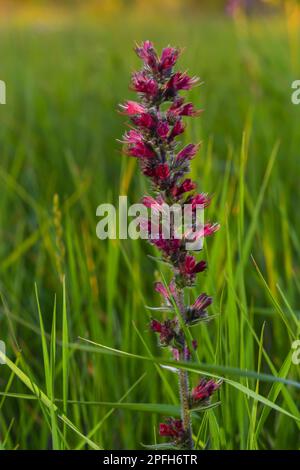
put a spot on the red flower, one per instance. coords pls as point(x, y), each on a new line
point(162, 172)
point(178, 129)
point(132, 107)
point(197, 311)
point(200, 267)
point(156, 326)
point(143, 84)
point(161, 289)
point(148, 166)
point(166, 331)
point(169, 247)
point(188, 152)
point(188, 185)
point(172, 428)
point(140, 150)
point(168, 58)
point(204, 390)
point(177, 103)
point(163, 129)
point(190, 265)
point(180, 109)
point(209, 229)
point(201, 199)
point(144, 120)
point(202, 302)
point(181, 81)
point(154, 204)
point(133, 137)
point(188, 110)
point(147, 53)
point(185, 187)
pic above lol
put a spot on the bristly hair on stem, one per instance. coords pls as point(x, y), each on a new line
point(157, 120)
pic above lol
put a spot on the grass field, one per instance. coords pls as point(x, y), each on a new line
point(58, 136)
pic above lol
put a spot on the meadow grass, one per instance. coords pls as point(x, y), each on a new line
point(59, 283)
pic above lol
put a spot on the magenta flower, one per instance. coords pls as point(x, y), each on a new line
point(186, 186)
point(189, 268)
point(162, 290)
point(163, 129)
point(143, 84)
point(178, 129)
point(190, 265)
point(201, 302)
point(187, 153)
point(132, 107)
point(204, 391)
point(147, 53)
point(169, 247)
point(140, 150)
point(210, 229)
point(180, 81)
point(166, 330)
point(168, 58)
point(154, 204)
point(198, 310)
point(159, 287)
point(199, 200)
point(144, 120)
point(179, 108)
point(158, 118)
point(162, 172)
point(133, 137)
point(173, 428)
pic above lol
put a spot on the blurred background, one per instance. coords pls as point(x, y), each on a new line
point(98, 8)
point(67, 65)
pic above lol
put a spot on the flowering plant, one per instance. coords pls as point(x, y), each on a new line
point(157, 121)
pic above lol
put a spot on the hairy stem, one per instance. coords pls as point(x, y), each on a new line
point(184, 382)
point(185, 413)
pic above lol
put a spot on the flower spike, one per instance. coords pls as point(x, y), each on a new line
point(158, 119)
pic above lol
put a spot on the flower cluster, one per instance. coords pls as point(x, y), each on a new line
point(197, 311)
point(173, 429)
point(200, 395)
point(157, 120)
point(203, 392)
point(167, 330)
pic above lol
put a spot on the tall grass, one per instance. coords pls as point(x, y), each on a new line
point(58, 134)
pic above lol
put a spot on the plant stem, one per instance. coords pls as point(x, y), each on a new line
point(185, 412)
point(184, 382)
